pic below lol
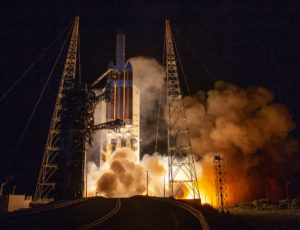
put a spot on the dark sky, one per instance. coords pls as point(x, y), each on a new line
point(249, 44)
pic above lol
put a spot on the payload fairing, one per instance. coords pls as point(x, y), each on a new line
point(124, 104)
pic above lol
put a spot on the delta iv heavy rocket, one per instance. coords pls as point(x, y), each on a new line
point(124, 104)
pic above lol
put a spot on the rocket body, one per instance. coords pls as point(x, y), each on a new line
point(124, 104)
point(120, 105)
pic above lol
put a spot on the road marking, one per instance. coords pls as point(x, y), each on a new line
point(174, 217)
point(103, 218)
point(195, 212)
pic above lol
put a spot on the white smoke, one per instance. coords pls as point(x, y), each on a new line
point(249, 130)
point(123, 176)
point(148, 76)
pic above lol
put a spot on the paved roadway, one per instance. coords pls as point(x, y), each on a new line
point(100, 213)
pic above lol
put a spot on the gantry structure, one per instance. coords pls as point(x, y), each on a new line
point(63, 169)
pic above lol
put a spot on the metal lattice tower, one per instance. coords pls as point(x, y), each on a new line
point(45, 182)
point(180, 156)
point(221, 193)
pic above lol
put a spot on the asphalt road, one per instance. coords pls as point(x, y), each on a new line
point(100, 213)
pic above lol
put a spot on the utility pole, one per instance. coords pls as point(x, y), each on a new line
point(1, 190)
point(164, 186)
point(250, 201)
point(147, 182)
point(267, 194)
point(235, 198)
point(287, 193)
point(86, 187)
point(249, 195)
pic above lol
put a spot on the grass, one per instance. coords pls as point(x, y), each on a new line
point(243, 219)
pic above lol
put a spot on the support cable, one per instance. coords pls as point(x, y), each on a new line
point(42, 93)
point(31, 66)
point(159, 103)
point(185, 79)
point(158, 118)
point(79, 65)
point(201, 60)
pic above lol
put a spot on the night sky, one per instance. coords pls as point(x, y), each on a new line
point(249, 44)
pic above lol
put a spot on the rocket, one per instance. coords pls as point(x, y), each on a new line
point(120, 78)
point(123, 104)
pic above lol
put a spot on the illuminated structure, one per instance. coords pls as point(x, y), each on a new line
point(63, 167)
point(124, 104)
point(180, 156)
point(221, 193)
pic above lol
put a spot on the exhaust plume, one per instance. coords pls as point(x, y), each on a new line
point(123, 176)
point(250, 131)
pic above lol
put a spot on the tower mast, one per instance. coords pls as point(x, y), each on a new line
point(221, 193)
point(45, 182)
point(182, 170)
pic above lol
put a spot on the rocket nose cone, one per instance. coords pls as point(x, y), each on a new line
point(121, 32)
point(110, 65)
point(128, 66)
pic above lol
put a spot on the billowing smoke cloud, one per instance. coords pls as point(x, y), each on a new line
point(123, 176)
point(148, 76)
point(250, 131)
point(244, 125)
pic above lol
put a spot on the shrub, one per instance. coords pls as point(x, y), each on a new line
point(246, 205)
point(262, 204)
point(283, 204)
point(295, 203)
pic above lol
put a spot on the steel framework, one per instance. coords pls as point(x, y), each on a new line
point(221, 193)
point(180, 156)
point(72, 128)
point(53, 145)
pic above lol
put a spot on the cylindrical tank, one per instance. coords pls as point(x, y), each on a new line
point(111, 107)
point(121, 80)
point(128, 94)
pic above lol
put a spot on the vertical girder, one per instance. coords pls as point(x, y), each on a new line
point(220, 181)
point(180, 156)
point(53, 148)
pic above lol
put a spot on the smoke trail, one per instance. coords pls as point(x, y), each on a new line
point(251, 132)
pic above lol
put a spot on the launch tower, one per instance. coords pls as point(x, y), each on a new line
point(63, 167)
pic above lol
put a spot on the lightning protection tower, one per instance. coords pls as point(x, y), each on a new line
point(62, 167)
point(221, 193)
point(182, 170)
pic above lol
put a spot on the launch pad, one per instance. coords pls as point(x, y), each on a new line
point(64, 165)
